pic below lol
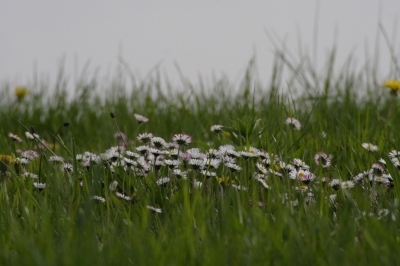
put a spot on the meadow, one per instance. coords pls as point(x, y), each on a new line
point(212, 174)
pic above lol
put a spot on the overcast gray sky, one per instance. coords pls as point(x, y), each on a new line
point(204, 37)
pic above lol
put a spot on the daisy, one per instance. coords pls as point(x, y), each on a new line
point(369, 146)
point(98, 198)
point(216, 128)
point(172, 163)
point(196, 163)
point(14, 137)
point(163, 181)
point(56, 159)
point(29, 154)
point(113, 185)
point(158, 142)
point(293, 122)
point(145, 137)
point(233, 167)
point(261, 168)
point(325, 159)
point(140, 119)
point(67, 167)
point(182, 139)
point(31, 136)
point(122, 196)
point(180, 174)
point(238, 187)
point(30, 175)
point(39, 185)
point(158, 210)
point(335, 184)
point(347, 184)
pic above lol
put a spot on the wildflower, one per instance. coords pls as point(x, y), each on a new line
point(208, 173)
point(293, 122)
point(369, 147)
point(261, 179)
point(392, 85)
point(38, 185)
point(302, 188)
point(196, 163)
point(180, 174)
point(140, 119)
point(323, 133)
point(332, 198)
point(233, 167)
point(197, 184)
point(335, 184)
point(31, 136)
point(5, 160)
point(98, 198)
point(377, 168)
point(305, 176)
point(21, 92)
point(145, 137)
point(158, 142)
point(195, 153)
point(172, 163)
point(261, 168)
point(14, 137)
point(122, 196)
point(30, 175)
point(142, 149)
point(29, 155)
point(394, 154)
point(67, 167)
point(232, 153)
point(347, 184)
point(300, 164)
point(326, 159)
point(239, 187)
point(251, 153)
point(224, 181)
point(214, 163)
point(56, 159)
point(158, 210)
point(182, 139)
point(163, 181)
point(216, 128)
point(113, 185)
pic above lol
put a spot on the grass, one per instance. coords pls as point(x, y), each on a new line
point(143, 223)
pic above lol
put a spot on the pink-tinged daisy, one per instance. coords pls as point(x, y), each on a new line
point(182, 139)
point(140, 119)
point(360, 177)
point(377, 168)
point(323, 158)
point(145, 137)
point(305, 176)
point(14, 137)
point(293, 122)
point(29, 154)
point(370, 147)
point(154, 209)
point(347, 184)
point(216, 128)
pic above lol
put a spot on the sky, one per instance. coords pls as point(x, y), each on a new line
point(207, 38)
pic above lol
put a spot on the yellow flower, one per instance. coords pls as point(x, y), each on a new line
point(224, 181)
point(21, 92)
point(226, 134)
point(392, 85)
point(5, 160)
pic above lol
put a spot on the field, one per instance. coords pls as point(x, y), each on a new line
point(215, 174)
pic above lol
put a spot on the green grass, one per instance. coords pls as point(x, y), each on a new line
point(216, 224)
